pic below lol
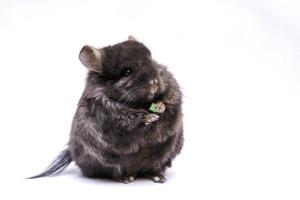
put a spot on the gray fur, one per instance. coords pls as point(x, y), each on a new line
point(113, 133)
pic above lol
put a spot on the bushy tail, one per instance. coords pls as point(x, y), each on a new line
point(59, 164)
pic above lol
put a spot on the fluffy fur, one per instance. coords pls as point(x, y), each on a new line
point(113, 132)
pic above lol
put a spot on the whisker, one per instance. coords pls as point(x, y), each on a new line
point(128, 99)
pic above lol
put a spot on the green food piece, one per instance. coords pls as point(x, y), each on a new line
point(153, 107)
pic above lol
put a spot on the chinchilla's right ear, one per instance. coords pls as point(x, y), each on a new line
point(92, 58)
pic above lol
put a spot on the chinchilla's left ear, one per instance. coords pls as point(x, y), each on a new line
point(131, 38)
point(92, 58)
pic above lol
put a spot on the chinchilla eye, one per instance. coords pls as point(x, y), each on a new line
point(127, 72)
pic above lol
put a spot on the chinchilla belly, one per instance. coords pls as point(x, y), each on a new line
point(145, 159)
point(97, 157)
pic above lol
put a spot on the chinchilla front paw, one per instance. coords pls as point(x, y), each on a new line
point(158, 107)
point(151, 118)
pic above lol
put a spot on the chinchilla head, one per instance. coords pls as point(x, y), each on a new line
point(126, 70)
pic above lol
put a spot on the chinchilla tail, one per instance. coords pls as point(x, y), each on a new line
point(59, 164)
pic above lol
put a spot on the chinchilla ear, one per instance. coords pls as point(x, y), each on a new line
point(92, 58)
point(131, 38)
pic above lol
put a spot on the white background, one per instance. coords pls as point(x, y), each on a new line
point(238, 65)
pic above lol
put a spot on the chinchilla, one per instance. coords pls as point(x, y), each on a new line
point(128, 122)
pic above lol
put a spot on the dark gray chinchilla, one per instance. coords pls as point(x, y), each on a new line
point(128, 122)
